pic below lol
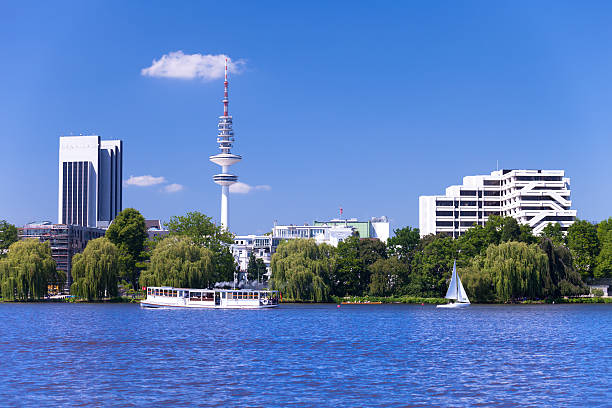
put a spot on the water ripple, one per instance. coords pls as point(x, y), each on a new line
point(313, 355)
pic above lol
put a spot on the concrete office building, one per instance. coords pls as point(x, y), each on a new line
point(532, 197)
point(90, 180)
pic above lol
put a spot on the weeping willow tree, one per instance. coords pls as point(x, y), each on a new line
point(178, 261)
point(301, 270)
point(562, 279)
point(510, 270)
point(95, 272)
point(27, 270)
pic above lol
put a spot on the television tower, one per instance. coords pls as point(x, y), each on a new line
point(225, 139)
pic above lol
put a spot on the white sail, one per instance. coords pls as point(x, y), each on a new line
point(461, 295)
point(451, 293)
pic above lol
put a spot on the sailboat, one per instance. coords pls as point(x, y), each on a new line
point(455, 291)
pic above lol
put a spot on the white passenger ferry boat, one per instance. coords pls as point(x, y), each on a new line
point(166, 297)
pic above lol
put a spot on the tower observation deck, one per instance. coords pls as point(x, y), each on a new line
point(225, 139)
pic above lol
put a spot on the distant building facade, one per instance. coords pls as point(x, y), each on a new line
point(155, 229)
point(90, 180)
point(65, 240)
point(532, 197)
point(331, 232)
point(376, 227)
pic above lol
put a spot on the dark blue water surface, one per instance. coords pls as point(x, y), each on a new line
point(319, 355)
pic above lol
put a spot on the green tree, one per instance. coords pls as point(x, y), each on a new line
point(560, 278)
point(510, 270)
point(432, 266)
point(204, 232)
point(404, 243)
point(95, 271)
point(603, 267)
point(554, 232)
point(129, 233)
point(8, 235)
point(256, 269)
point(27, 270)
point(352, 274)
point(388, 276)
point(583, 242)
point(510, 230)
point(179, 262)
point(302, 270)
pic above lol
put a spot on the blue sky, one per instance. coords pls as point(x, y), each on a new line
point(359, 105)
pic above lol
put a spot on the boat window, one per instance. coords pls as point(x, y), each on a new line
point(222, 295)
point(186, 293)
point(256, 295)
point(239, 295)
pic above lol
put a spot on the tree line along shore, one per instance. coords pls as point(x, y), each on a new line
point(498, 263)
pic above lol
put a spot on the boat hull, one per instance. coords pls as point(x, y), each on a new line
point(152, 305)
point(455, 305)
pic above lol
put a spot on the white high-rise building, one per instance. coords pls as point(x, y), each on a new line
point(225, 139)
point(90, 180)
point(532, 197)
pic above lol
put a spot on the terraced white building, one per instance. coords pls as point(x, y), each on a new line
point(533, 197)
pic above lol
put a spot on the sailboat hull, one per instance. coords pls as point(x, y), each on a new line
point(453, 305)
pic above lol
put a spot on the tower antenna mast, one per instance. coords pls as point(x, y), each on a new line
point(225, 139)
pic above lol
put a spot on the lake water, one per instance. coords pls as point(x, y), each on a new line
point(306, 355)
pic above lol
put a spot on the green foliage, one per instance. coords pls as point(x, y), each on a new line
point(200, 229)
point(203, 232)
point(27, 271)
point(352, 274)
point(95, 272)
point(178, 261)
point(583, 242)
point(404, 243)
point(8, 235)
point(603, 268)
point(129, 233)
point(511, 270)
point(432, 266)
point(554, 232)
point(256, 269)
point(302, 270)
point(560, 279)
point(388, 276)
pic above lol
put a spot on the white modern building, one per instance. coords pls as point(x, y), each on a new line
point(532, 197)
point(225, 139)
point(90, 180)
point(330, 232)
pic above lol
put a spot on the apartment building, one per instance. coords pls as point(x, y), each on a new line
point(532, 197)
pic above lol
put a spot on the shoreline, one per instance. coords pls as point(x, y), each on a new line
point(356, 300)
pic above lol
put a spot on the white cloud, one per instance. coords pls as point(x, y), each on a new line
point(189, 66)
point(172, 188)
point(144, 181)
point(243, 188)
